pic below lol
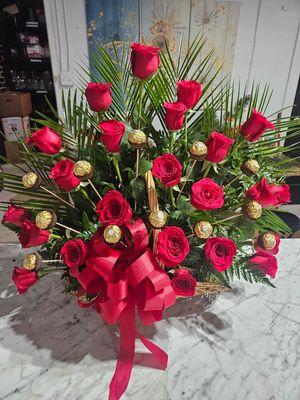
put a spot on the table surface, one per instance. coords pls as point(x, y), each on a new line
point(244, 345)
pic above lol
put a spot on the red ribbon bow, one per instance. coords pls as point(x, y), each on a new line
point(124, 278)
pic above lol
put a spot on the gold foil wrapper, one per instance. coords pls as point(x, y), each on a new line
point(30, 180)
point(203, 229)
point(83, 169)
point(250, 167)
point(30, 262)
point(252, 210)
point(158, 219)
point(267, 241)
point(198, 150)
point(137, 139)
point(45, 219)
point(112, 234)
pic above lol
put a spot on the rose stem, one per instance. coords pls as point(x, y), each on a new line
point(227, 219)
point(66, 227)
point(116, 165)
point(55, 195)
point(172, 198)
point(187, 177)
point(53, 236)
point(95, 190)
point(86, 196)
point(233, 180)
point(141, 87)
point(185, 132)
point(171, 141)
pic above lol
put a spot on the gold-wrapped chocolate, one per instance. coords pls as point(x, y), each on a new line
point(32, 261)
point(198, 150)
point(203, 229)
point(112, 234)
point(83, 170)
point(45, 219)
point(267, 240)
point(31, 180)
point(252, 210)
point(158, 219)
point(137, 139)
point(250, 167)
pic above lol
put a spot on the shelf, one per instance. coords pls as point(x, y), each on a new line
point(38, 92)
point(29, 61)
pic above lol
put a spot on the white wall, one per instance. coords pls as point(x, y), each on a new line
point(267, 44)
point(66, 26)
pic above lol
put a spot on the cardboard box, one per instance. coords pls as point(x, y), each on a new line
point(14, 104)
point(11, 150)
point(15, 128)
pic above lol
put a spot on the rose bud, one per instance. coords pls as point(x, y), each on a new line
point(15, 215)
point(269, 194)
point(264, 262)
point(255, 126)
point(98, 96)
point(218, 146)
point(113, 209)
point(23, 279)
point(31, 235)
point(112, 133)
point(63, 174)
point(189, 93)
point(83, 170)
point(144, 60)
point(207, 195)
point(183, 283)
point(174, 115)
point(167, 169)
point(46, 140)
point(268, 241)
point(172, 246)
point(220, 252)
point(32, 261)
point(31, 181)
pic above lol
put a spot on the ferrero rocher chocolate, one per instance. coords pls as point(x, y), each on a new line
point(137, 139)
point(250, 167)
point(203, 229)
point(252, 210)
point(32, 261)
point(45, 219)
point(83, 170)
point(267, 240)
point(112, 234)
point(198, 150)
point(31, 180)
point(158, 219)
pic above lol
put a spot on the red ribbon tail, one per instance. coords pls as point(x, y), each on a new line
point(159, 354)
point(122, 373)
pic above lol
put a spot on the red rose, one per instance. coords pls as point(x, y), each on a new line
point(144, 60)
point(31, 235)
point(264, 262)
point(112, 133)
point(62, 173)
point(46, 140)
point(255, 126)
point(98, 96)
point(174, 115)
point(23, 279)
point(15, 215)
point(220, 252)
point(189, 93)
point(172, 246)
point(74, 253)
point(269, 195)
point(207, 195)
point(275, 250)
point(167, 169)
point(113, 209)
point(183, 282)
point(217, 147)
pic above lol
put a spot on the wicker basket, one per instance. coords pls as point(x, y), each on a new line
point(202, 288)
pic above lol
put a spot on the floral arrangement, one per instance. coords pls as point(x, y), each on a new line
point(158, 184)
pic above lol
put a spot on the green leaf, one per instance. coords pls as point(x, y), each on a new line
point(144, 166)
point(138, 188)
point(183, 203)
